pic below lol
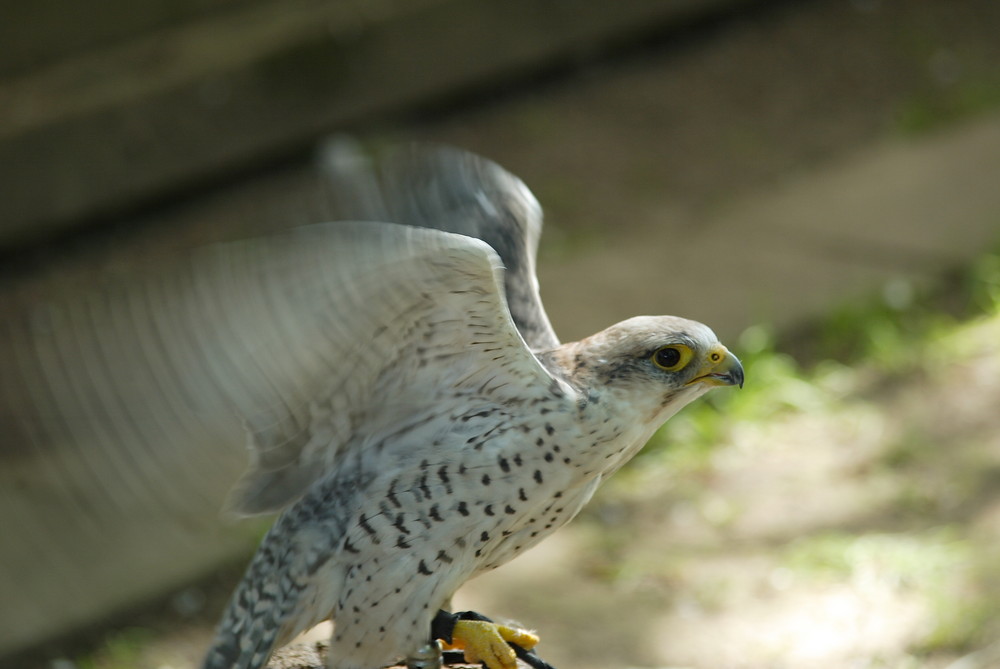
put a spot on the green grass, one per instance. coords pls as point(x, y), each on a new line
point(939, 107)
point(122, 649)
point(923, 560)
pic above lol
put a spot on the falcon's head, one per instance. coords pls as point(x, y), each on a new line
point(654, 364)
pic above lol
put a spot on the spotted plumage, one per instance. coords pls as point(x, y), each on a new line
point(421, 423)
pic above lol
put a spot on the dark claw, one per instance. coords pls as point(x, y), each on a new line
point(450, 657)
point(529, 657)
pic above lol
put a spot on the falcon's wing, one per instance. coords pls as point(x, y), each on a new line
point(453, 190)
point(295, 333)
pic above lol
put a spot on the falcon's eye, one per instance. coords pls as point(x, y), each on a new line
point(673, 357)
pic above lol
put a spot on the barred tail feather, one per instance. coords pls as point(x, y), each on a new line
point(247, 634)
point(281, 595)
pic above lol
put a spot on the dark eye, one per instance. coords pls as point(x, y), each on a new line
point(667, 357)
point(672, 358)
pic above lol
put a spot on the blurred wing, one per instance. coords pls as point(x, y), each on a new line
point(293, 333)
point(452, 190)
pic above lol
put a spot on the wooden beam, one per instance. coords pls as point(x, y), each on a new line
point(111, 127)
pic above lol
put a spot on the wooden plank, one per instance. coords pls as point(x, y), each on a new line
point(116, 126)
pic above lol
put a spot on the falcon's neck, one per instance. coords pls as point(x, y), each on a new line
point(569, 363)
point(616, 413)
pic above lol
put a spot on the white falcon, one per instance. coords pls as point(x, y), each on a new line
point(411, 411)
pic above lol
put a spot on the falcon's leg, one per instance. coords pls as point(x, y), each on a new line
point(497, 646)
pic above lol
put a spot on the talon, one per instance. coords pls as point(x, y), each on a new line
point(487, 642)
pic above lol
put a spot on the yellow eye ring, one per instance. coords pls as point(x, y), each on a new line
point(672, 358)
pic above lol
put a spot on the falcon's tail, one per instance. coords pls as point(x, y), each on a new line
point(277, 599)
point(247, 634)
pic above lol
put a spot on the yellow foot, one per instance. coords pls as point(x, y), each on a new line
point(487, 642)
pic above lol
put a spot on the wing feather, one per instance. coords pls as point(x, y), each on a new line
point(301, 336)
point(456, 191)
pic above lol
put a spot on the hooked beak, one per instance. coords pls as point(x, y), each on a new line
point(721, 368)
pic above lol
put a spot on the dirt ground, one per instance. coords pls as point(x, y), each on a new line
point(847, 517)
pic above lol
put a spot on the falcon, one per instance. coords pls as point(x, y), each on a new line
point(414, 416)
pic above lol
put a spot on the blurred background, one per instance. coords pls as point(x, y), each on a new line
point(815, 179)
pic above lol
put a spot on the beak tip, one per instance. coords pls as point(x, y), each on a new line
point(736, 373)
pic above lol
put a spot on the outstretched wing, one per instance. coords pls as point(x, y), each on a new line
point(294, 333)
point(453, 190)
